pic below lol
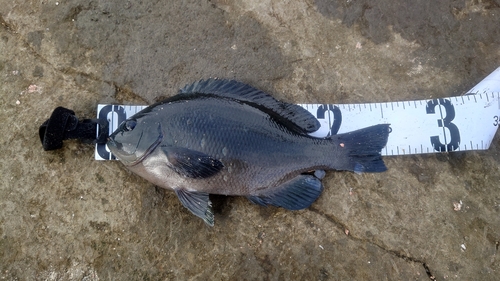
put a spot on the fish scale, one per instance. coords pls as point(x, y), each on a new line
point(225, 137)
point(277, 147)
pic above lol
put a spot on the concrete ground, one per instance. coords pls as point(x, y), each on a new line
point(65, 216)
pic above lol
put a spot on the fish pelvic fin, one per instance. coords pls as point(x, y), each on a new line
point(362, 149)
point(198, 203)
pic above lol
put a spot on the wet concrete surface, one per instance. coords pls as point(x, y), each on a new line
point(65, 216)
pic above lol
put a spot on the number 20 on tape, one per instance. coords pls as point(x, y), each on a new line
point(460, 123)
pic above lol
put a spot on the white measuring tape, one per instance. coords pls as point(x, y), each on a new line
point(467, 122)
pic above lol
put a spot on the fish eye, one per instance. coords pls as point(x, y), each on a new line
point(129, 125)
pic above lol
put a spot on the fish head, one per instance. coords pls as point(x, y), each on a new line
point(135, 139)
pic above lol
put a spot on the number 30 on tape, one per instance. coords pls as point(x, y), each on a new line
point(461, 123)
point(424, 126)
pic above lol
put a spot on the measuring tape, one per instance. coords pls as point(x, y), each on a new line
point(461, 123)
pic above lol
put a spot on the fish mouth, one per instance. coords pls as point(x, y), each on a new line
point(148, 151)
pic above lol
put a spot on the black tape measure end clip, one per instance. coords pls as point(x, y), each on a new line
point(63, 125)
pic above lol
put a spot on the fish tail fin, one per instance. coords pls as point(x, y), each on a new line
point(362, 149)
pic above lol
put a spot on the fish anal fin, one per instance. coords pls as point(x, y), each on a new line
point(198, 203)
point(296, 194)
point(191, 163)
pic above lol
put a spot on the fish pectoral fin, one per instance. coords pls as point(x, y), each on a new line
point(191, 163)
point(296, 194)
point(198, 203)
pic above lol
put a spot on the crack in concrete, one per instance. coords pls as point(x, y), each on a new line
point(119, 91)
point(10, 27)
point(343, 227)
point(7, 26)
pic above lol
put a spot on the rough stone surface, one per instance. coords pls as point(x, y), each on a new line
point(64, 216)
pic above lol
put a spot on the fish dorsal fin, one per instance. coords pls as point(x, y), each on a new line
point(290, 115)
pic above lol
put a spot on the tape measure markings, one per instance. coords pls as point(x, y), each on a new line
point(458, 123)
point(114, 114)
point(420, 126)
point(430, 125)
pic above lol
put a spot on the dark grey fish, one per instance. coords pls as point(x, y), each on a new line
point(225, 137)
